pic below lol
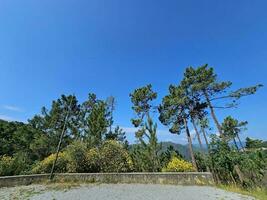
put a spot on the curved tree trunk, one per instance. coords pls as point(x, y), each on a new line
point(213, 113)
point(198, 135)
point(190, 143)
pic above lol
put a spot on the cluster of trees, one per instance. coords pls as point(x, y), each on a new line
point(81, 137)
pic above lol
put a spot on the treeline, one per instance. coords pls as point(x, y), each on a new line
point(88, 141)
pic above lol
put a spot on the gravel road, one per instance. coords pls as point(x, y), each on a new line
point(119, 192)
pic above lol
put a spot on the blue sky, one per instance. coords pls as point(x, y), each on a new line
point(111, 47)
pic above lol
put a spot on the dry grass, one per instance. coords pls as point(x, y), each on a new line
point(258, 193)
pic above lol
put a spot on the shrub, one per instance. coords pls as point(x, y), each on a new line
point(114, 158)
point(75, 155)
point(252, 166)
point(93, 161)
point(18, 164)
point(239, 167)
point(21, 163)
point(178, 165)
point(45, 165)
point(202, 161)
point(6, 165)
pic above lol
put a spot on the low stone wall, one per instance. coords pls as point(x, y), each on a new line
point(9, 181)
point(190, 178)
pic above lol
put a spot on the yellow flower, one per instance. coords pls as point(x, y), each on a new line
point(178, 165)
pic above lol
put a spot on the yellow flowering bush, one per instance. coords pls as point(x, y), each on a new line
point(178, 165)
point(92, 158)
point(6, 165)
point(45, 165)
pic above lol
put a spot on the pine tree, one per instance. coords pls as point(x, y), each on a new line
point(174, 112)
point(147, 130)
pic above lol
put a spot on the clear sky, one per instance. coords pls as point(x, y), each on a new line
point(110, 47)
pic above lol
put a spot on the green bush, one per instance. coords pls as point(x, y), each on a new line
point(202, 161)
point(75, 155)
point(114, 158)
point(252, 166)
point(178, 165)
point(76, 158)
point(22, 163)
point(232, 166)
point(19, 163)
point(93, 164)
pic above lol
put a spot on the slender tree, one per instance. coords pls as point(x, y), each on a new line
point(174, 112)
point(204, 81)
point(96, 120)
point(51, 121)
point(67, 117)
point(204, 124)
point(110, 107)
point(195, 106)
point(232, 128)
point(147, 130)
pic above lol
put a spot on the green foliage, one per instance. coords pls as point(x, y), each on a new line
point(205, 79)
point(141, 99)
point(93, 158)
point(232, 127)
point(18, 164)
point(95, 120)
point(97, 124)
point(260, 193)
point(77, 158)
point(255, 144)
point(52, 121)
point(167, 155)
point(252, 166)
point(232, 166)
point(45, 165)
point(114, 158)
point(75, 155)
point(91, 143)
point(203, 82)
point(178, 165)
point(146, 156)
point(6, 166)
point(202, 161)
point(175, 110)
point(117, 134)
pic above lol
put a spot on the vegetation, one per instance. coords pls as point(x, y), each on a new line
point(258, 192)
point(81, 137)
point(178, 165)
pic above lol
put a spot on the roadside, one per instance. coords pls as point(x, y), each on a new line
point(117, 192)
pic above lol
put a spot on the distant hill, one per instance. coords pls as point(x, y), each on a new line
point(182, 149)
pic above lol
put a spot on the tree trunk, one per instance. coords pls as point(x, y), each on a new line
point(213, 113)
point(60, 141)
point(198, 135)
point(235, 143)
point(239, 173)
point(241, 145)
point(205, 136)
point(190, 144)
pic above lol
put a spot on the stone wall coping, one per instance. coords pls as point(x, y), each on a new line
point(113, 173)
